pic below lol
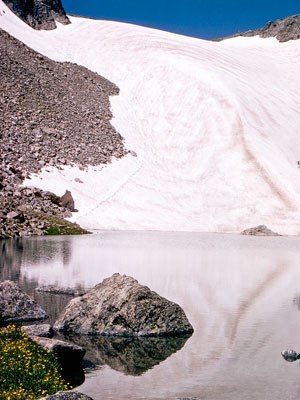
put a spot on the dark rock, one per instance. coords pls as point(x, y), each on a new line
point(69, 356)
point(120, 306)
point(260, 230)
point(67, 201)
point(67, 396)
point(290, 355)
point(39, 14)
point(66, 352)
point(53, 197)
point(16, 306)
point(42, 330)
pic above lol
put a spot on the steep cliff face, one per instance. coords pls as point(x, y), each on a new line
point(39, 14)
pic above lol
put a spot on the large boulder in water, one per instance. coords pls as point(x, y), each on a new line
point(16, 306)
point(260, 230)
point(120, 306)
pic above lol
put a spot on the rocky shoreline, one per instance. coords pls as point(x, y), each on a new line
point(52, 114)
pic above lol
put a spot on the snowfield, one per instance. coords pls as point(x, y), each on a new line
point(215, 126)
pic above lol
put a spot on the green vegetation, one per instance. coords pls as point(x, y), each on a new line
point(28, 371)
point(59, 226)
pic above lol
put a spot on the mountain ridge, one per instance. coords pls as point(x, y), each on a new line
point(283, 29)
point(39, 14)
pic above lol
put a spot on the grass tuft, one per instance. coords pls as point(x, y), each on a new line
point(59, 226)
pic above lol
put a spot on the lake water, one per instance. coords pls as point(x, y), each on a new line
point(241, 294)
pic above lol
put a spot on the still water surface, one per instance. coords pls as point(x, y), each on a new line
point(241, 294)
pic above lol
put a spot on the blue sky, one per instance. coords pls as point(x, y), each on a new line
point(200, 18)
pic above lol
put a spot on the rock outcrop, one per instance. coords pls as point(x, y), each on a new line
point(120, 306)
point(28, 211)
point(16, 306)
point(283, 30)
point(39, 14)
point(260, 230)
point(67, 201)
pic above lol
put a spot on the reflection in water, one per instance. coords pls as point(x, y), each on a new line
point(296, 301)
point(236, 291)
point(15, 252)
point(73, 374)
point(10, 259)
point(132, 356)
point(35, 251)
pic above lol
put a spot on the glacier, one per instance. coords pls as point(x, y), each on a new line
point(214, 125)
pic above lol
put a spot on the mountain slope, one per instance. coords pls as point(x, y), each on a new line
point(51, 114)
point(214, 126)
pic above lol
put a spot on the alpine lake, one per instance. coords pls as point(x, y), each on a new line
point(240, 293)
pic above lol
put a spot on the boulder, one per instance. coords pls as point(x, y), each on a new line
point(42, 330)
point(67, 396)
point(260, 230)
point(16, 306)
point(67, 201)
point(67, 353)
point(120, 306)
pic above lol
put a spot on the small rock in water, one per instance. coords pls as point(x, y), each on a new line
point(290, 355)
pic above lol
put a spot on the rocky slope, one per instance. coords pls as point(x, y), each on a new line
point(284, 29)
point(39, 14)
point(51, 114)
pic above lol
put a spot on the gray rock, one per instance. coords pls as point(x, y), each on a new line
point(42, 330)
point(120, 306)
point(66, 353)
point(12, 214)
point(60, 290)
point(67, 396)
point(16, 306)
point(284, 29)
point(260, 230)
